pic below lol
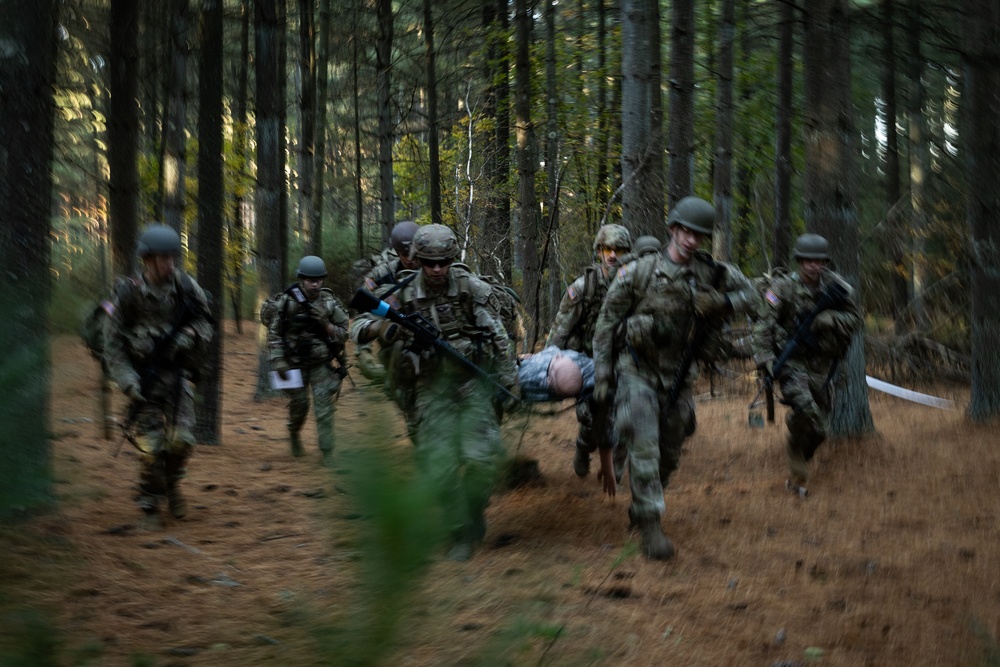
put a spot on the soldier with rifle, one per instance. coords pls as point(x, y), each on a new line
point(157, 328)
point(307, 333)
point(662, 314)
point(804, 327)
point(451, 360)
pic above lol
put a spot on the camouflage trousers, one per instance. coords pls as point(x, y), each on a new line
point(459, 450)
point(809, 399)
point(324, 384)
point(163, 427)
point(651, 437)
point(370, 365)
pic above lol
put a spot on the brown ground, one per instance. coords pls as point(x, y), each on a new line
point(892, 560)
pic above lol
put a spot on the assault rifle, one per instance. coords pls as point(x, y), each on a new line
point(336, 349)
point(833, 296)
point(425, 334)
point(696, 335)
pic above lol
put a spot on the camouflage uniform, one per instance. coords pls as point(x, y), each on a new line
point(533, 374)
point(804, 378)
point(163, 423)
point(378, 280)
point(573, 329)
point(453, 425)
point(295, 341)
point(651, 303)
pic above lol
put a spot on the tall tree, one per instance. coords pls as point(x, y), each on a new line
point(307, 111)
point(123, 134)
point(496, 70)
point(238, 230)
point(383, 77)
point(27, 70)
point(550, 221)
point(211, 258)
point(723, 186)
point(830, 207)
point(893, 194)
point(680, 182)
point(434, 159)
point(783, 136)
point(919, 162)
point(527, 204)
point(638, 197)
point(270, 273)
point(173, 172)
point(982, 151)
point(322, 86)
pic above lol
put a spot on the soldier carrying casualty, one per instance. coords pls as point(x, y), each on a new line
point(662, 314)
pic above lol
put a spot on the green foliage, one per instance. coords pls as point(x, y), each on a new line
point(30, 638)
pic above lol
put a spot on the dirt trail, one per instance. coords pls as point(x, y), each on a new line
point(891, 561)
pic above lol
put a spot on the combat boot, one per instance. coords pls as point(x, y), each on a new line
point(656, 545)
point(581, 463)
point(296, 444)
point(175, 501)
point(151, 520)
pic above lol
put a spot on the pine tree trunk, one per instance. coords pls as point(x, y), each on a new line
point(123, 135)
point(723, 186)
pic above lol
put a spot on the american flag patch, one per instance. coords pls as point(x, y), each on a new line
point(623, 271)
point(571, 292)
point(772, 298)
point(108, 307)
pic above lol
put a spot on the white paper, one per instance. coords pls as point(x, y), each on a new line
point(909, 395)
point(293, 379)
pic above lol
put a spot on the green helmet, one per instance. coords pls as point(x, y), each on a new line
point(159, 240)
point(646, 245)
point(812, 246)
point(613, 236)
point(311, 266)
point(434, 242)
point(693, 213)
point(402, 236)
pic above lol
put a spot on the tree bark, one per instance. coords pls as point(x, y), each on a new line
point(173, 172)
point(123, 135)
point(237, 232)
point(899, 285)
point(783, 138)
point(307, 110)
point(211, 256)
point(919, 163)
point(434, 159)
point(322, 86)
point(27, 71)
point(723, 185)
point(982, 151)
point(527, 204)
point(681, 149)
point(383, 77)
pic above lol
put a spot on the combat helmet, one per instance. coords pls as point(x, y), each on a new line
point(159, 240)
point(693, 213)
point(646, 245)
point(613, 236)
point(812, 246)
point(402, 236)
point(435, 243)
point(311, 266)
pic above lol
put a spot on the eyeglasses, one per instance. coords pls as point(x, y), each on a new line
point(434, 262)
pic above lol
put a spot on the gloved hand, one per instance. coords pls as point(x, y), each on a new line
point(711, 302)
point(824, 321)
point(282, 373)
point(134, 393)
point(183, 341)
point(387, 331)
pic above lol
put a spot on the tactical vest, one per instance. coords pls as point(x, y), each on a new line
point(582, 336)
point(302, 341)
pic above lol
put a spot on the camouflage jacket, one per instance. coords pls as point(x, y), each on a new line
point(648, 315)
point(141, 315)
point(573, 328)
point(533, 374)
point(295, 336)
point(788, 300)
point(465, 313)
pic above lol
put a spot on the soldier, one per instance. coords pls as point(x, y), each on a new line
point(453, 424)
point(805, 377)
point(664, 305)
point(573, 329)
point(554, 374)
point(306, 333)
point(158, 326)
point(380, 278)
point(644, 245)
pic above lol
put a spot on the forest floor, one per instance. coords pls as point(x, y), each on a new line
point(893, 559)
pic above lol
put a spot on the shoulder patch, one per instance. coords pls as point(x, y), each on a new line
point(772, 298)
